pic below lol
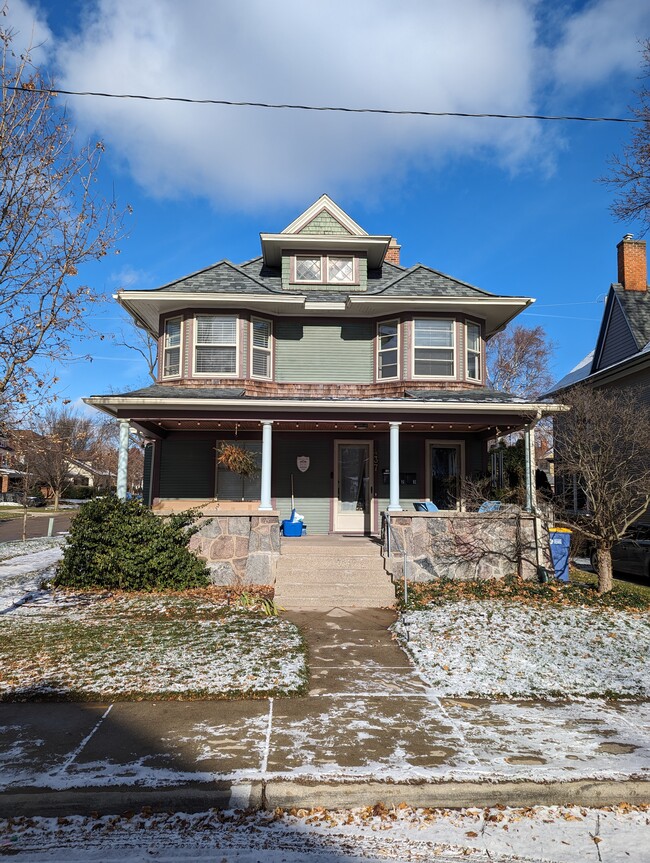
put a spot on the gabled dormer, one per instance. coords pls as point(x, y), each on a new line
point(325, 249)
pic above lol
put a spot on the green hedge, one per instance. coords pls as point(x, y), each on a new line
point(120, 544)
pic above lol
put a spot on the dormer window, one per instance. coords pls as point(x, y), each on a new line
point(325, 269)
point(309, 269)
point(340, 270)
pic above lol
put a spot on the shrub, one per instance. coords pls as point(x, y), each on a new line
point(120, 544)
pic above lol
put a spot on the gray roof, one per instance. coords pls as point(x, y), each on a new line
point(253, 277)
point(480, 394)
point(636, 305)
point(172, 391)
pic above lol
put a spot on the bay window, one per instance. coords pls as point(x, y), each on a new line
point(434, 348)
point(172, 348)
point(473, 346)
point(215, 345)
point(388, 350)
point(261, 364)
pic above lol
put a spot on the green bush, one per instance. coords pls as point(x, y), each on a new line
point(120, 544)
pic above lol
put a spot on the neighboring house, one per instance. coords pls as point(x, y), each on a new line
point(359, 380)
point(85, 474)
point(621, 357)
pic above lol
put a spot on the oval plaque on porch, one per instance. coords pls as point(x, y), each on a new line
point(302, 463)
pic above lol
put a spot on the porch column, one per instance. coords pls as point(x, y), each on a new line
point(529, 453)
point(123, 459)
point(394, 504)
point(265, 494)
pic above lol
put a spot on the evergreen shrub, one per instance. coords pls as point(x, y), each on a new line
point(120, 544)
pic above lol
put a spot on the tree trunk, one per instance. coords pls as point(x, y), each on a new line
point(605, 582)
point(56, 500)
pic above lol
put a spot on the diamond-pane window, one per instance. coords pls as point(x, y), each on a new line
point(340, 269)
point(308, 269)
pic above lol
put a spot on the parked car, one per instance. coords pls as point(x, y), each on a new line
point(630, 555)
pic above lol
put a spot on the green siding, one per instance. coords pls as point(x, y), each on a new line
point(187, 467)
point(324, 223)
point(324, 353)
point(146, 473)
point(313, 488)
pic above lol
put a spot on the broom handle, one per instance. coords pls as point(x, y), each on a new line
point(293, 504)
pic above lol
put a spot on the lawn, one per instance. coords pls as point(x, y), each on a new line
point(108, 646)
point(526, 640)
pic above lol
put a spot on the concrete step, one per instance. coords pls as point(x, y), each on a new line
point(332, 564)
point(301, 546)
point(356, 579)
point(333, 602)
point(331, 591)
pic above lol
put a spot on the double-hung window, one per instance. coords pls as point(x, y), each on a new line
point(433, 348)
point(261, 358)
point(387, 350)
point(215, 345)
point(473, 351)
point(172, 348)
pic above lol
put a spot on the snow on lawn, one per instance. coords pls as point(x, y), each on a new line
point(499, 648)
point(548, 834)
point(24, 566)
point(94, 646)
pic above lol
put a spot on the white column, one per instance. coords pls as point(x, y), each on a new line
point(394, 505)
point(123, 459)
point(265, 494)
point(529, 452)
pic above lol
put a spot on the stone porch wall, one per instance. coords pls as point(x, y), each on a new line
point(466, 545)
point(240, 549)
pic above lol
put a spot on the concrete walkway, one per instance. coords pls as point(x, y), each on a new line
point(368, 730)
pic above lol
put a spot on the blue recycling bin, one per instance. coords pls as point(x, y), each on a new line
point(292, 528)
point(560, 540)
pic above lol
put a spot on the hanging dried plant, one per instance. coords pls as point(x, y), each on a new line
point(237, 459)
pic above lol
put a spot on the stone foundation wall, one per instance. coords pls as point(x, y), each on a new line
point(239, 549)
point(467, 545)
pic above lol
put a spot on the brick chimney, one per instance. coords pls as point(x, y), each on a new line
point(632, 267)
point(392, 253)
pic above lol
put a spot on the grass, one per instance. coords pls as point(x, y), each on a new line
point(581, 591)
point(124, 646)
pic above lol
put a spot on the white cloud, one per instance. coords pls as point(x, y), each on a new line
point(30, 30)
point(471, 55)
point(601, 39)
point(431, 54)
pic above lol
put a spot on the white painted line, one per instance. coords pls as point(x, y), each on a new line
point(267, 739)
point(85, 741)
point(240, 796)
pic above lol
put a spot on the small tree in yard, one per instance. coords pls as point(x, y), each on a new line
point(604, 442)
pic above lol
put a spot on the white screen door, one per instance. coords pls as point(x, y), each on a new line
point(352, 504)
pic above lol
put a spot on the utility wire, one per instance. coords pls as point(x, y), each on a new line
point(56, 92)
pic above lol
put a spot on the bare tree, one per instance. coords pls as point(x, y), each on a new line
point(603, 441)
point(518, 361)
point(630, 172)
point(61, 438)
point(52, 221)
point(141, 342)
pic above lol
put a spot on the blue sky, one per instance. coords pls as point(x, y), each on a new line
point(511, 206)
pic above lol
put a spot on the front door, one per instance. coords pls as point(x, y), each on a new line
point(352, 484)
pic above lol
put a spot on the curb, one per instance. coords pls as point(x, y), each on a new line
point(288, 794)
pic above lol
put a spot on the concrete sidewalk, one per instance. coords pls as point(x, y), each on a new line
point(369, 729)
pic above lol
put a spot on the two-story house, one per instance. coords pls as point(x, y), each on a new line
point(360, 383)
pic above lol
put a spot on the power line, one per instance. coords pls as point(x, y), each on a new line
point(339, 109)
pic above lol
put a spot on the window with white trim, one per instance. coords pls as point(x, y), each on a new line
point(309, 268)
point(172, 348)
point(261, 358)
point(433, 348)
point(388, 350)
point(215, 345)
point(473, 346)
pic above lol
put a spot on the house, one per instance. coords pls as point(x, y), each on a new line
point(359, 383)
point(621, 357)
